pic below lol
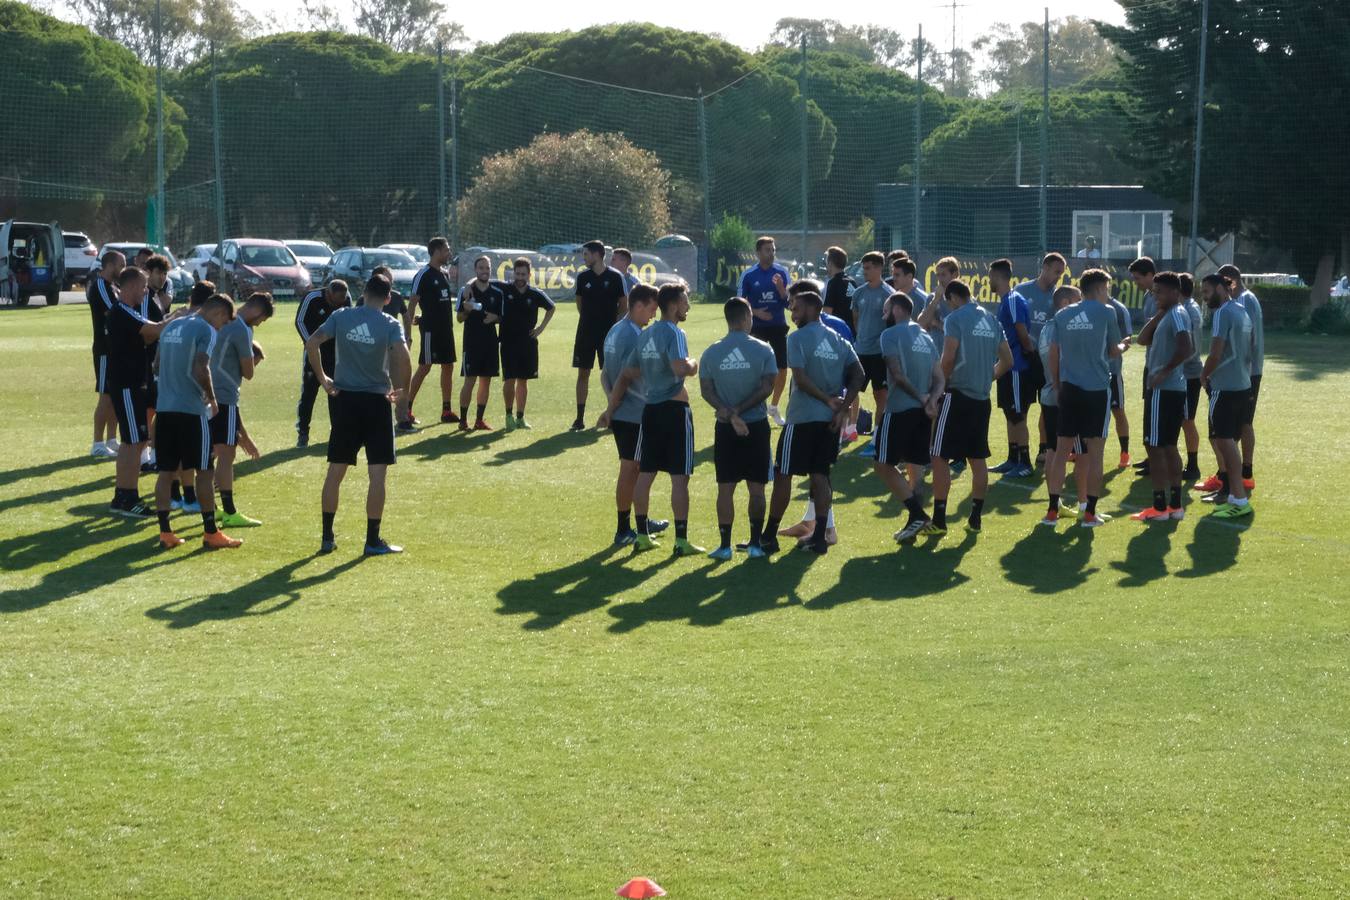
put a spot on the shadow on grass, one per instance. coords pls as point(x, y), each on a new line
point(94, 526)
point(905, 574)
point(68, 492)
point(1145, 554)
point(44, 470)
point(450, 442)
point(552, 598)
point(261, 596)
point(1309, 356)
point(547, 447)
point(1048, 561)
point(272, 458)
point(1214, 546)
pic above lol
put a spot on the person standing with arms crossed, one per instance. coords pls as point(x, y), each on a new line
point(765, 287)
point(520, 332)
point(431, 293)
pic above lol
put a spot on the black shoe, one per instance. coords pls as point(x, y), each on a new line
point(820, 547)
point(407, 427)
point(382, 548)
point(302, 439)
point(328, 545)
point(770, 544)
point(578, 425)
point(1190, 474)
point(131, 509)
point(656, 526)
point(148, 468)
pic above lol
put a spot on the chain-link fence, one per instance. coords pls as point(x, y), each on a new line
point(541, 142)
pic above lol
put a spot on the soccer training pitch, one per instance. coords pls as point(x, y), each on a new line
point(512, 709)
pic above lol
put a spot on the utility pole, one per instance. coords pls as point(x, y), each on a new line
point(158, 236)
point(1192, 256)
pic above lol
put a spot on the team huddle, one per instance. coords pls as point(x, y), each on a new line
point(169, 381)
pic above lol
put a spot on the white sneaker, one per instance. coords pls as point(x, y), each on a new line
point(146, 458)
point(776, 416)
point(101, 451)
point(112, 445)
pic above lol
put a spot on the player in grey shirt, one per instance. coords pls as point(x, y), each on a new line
point(826, 378)
point(1065, 295)
point(1192, 368)
point(232, 362)
point(1227, 377)
point(1118, 380)
point(1168, 339)
point(1252, 306)
point(371, 371)
point(187, 400)
point(1039, 294)
point(627, 396)
point(869, 314)
point(1087, 335)
point(736, 375)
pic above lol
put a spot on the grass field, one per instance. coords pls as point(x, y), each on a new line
point(510, 709)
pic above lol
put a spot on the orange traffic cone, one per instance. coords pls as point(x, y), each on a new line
point(639, 888)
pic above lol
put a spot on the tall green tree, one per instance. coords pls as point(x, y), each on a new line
point(1015, 56)
point(409, 26)
point(1276, 129)
point(187, 28)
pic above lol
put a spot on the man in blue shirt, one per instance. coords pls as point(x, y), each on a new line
point(974, 354)
point(1228, 377)
point(627, 397)
point(666, 441)
point(1017, 388)
point(1040, 293)
point(1252, 306)
point(1168, 339)
point(765, 287)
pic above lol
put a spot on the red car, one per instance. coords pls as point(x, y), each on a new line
point(245, 265)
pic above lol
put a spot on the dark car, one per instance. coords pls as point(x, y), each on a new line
point(355, 265)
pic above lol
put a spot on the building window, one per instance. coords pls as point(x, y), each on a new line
point(1122, 234)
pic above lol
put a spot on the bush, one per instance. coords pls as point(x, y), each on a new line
point(864, 238)
point(1332, 317)
point(574, 187)
point(732, 235)
point(1283, 305)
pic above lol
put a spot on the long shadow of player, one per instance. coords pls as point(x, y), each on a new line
point(96, 577)
point(1146, 555)
point(546, 447)
point(47, 469)
point(906, 574)
point(1214, 547)
point(451, 442)
point(1048, 562)
point(270, 593)
point(739, 589)
point(23, 551)
point(68, 492)
point(552, 598)
point(272, 458)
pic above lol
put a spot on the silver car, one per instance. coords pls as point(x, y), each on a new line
point(313, 255)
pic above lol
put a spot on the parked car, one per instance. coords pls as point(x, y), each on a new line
point(80, 254)
point(179, 278)
point(32, 262)
point(416, 251)
point(355, 265)
point(198, 261)
point(313, 255)
point(561, 249)
point(254, 264)
point(1342, 287)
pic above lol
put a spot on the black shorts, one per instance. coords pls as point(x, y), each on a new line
point(361, 420)
point(1228, 412)
point(130, 405)
point(1083, 414)
point(479, 359)
point(1050, 415)
point(225, 426)
point(962, 428)
point(1163, 414)
point(438, 347)
point(1116, 391)
point(904, 437)
point(1256, 395)
point(588, 349)
point(182, 441)
point(520, 357)
point(152, 394)
point(1016, 392)
point(776, 337)
point(666, 441)
point(1035, 372)
point(1192, 398)
point(806, 448)
point(100, 373)
point(874, 371)
point(626, 436)
point(737, 458)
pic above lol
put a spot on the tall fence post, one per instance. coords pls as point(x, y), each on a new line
point(441, 212)
point(1045, 134)
point(215, 150)
point(704, 172)
point(158, 236)
point(914, 240)
point(454, 157)
point(805, 180)
point(1192, 257)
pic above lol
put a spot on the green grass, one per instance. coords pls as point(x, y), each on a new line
point(511, 710)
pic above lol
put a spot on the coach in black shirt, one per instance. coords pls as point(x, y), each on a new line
point(602, 300)
point(315, 308)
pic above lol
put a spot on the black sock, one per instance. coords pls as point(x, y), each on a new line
point(176, 491)
point(1091, 505)
point(1124, 443)
point(445, 406)
point(209, 522)
point(372, 532)
point(915, 508)
point(163, 515)
point(482, 408)
point(520, 411)
point(1193, 461)
point(464, 414)
point(1054, 503)
point(1223, 482)
point(1012, 453)
point(822, 526)
point(1160, 501)
point(940, 513)
point(328, 525)
point(1176, 497)
point(1024, 455)
point(227, 502)
point(681, 529)
point(189, 494)
point(724, 531)
point(771, 526)
point(756, 530)
point(976, 507)
point(641, 524)
point(1042, 448)
point(581, 412)
point(1247, 471)
point(625, 524)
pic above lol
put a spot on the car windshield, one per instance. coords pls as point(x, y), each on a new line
point(266, 256)
point(76, 240)
point(394, 259)
point(419, 254)
point(309, 248)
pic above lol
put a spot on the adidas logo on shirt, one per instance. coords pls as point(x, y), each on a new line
point(735, 360)
point(824, 350)
point(361, 334)
point(649, 350)
point(921, 344)
point(1080, 322)
point(985, 328)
